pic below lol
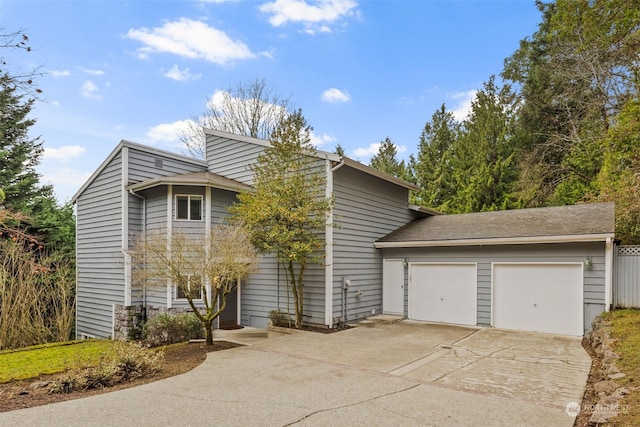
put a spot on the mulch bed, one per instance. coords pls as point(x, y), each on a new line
point(35, 392)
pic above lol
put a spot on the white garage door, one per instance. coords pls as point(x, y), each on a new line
point(538, 297)
point(443, 292)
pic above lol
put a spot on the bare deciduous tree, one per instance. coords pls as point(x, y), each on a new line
point(249, 109)
point(204, 269)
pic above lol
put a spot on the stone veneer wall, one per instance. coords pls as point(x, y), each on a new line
point(128, 320)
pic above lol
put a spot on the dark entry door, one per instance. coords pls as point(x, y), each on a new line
point(229, 317)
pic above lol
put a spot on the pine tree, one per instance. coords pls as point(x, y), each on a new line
point(386, 161)
point(433, 168)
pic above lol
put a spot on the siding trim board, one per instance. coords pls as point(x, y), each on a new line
point(497, 241)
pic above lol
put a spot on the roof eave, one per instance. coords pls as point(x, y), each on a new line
point(581, 238)
point(158, 182)
point(379, 174)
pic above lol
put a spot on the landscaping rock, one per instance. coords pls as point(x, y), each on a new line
point(39, 384)
point(616, 376)
point(605, 387)
point(609, 357)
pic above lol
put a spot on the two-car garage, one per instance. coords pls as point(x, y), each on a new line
point(541, 297)
point(543, 270)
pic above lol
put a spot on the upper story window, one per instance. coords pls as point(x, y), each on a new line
point(189, 208)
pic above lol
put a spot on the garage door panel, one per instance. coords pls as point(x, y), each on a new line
point(444, 293)
point(542, 297)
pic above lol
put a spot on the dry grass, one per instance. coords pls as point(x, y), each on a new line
point(626, 332)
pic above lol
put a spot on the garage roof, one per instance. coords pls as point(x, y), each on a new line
point(576, 223)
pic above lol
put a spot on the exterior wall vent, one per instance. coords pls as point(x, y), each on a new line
point(159, 163)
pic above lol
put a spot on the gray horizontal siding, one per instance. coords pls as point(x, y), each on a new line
point(143, 166)
point(366, 209)
point(593, 281)
point(231, 158)
point(99, 251)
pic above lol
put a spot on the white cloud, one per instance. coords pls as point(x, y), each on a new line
point(334, 95)
point(93, 72)
point(314, 16)
point(318, 140)
point(64, 154)
point(190, 39)
point(372, 150)
point(90, 90)
point(463, 106)
point(167, 132)
point(177, 74)
point(60, 73)
point(65, 176)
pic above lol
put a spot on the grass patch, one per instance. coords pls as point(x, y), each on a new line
point(625, 329)
point(31, 362)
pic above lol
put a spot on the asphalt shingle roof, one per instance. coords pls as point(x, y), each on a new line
point(575, 220)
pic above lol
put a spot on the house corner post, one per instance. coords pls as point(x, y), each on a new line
point(328, 272)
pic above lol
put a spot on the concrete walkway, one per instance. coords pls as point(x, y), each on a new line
point(406, 373)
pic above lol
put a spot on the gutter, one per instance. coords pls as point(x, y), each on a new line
point(144, 234)
point(496, 241)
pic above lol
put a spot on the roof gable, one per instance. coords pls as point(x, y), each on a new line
point(589, 222)
point(140, 147)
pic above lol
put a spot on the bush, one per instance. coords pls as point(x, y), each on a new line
point(168, 329)
point(125, 361)
point(279, 318)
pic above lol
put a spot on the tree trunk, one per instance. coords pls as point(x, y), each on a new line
point(208, 324)
point(296, 297)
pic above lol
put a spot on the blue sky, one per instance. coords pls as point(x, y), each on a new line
point(360, 71)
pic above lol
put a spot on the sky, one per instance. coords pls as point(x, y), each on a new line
point(361, 71)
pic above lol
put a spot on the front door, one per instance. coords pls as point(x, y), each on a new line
point(393, 286)
point(229, 317)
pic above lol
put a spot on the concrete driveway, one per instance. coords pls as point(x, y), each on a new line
point(406, 373)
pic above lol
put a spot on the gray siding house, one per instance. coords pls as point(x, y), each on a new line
point(545, 269)
point(138, 189)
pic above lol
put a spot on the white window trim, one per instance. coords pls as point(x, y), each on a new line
point(189, 197)
point(175, 289)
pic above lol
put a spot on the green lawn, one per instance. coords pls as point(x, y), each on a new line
point(30, 362)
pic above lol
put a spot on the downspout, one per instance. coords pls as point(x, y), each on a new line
point(144, 260)
point(328, 315)
point(608, 273)
point(169, 235)
point(75, 296)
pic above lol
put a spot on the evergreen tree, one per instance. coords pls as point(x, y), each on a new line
point(574, 75)
point(19, 153)
point(433, 168)
point(386, 161)
point(483, 156)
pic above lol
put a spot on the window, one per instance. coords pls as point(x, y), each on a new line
point(189, 208)
point(192, 284)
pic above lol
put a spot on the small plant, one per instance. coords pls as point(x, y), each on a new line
point(279, 318)
point(168, 329)
point(125, 361)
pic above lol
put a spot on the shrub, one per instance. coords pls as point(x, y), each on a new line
point(125, 361)
point(279, 318)
point(168, 329)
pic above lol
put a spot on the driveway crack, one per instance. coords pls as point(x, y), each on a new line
point(319, 411)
